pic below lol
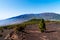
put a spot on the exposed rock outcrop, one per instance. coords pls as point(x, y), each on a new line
point(12, 36)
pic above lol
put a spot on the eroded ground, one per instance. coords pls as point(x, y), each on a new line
point(33, 33)
point(52, 32)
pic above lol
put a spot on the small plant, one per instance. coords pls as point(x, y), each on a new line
point(2, 30)
point(42, 25)
point(19, 28)
point(1, 35)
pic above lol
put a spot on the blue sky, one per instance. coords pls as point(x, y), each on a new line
point(11, 8)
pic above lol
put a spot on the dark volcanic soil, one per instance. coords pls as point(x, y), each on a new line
point(52, 32)
point(33, 33)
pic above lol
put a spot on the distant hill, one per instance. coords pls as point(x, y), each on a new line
point(26, 17)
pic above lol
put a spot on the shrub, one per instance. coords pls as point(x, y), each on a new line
point(42, 25)
point(19, 28)
point(1, 35)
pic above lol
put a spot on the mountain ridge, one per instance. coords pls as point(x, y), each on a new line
point(26, 17)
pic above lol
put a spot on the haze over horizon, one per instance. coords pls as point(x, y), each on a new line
point(11, 8)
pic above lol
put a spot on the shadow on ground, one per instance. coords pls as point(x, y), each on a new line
point(50, 31)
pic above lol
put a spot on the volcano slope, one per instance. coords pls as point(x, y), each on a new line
point(32, 31)
point(52, 32)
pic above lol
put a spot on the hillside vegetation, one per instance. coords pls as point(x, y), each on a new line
point(24, 24)
point(29, 28)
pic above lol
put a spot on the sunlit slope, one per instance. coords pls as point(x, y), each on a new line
point(26, 17)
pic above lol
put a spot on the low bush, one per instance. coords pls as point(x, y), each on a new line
point(42, 25)
point(1, 35)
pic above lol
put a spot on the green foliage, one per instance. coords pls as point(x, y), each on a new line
point(21, 27)
point(1, 28)
point(42, 25)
